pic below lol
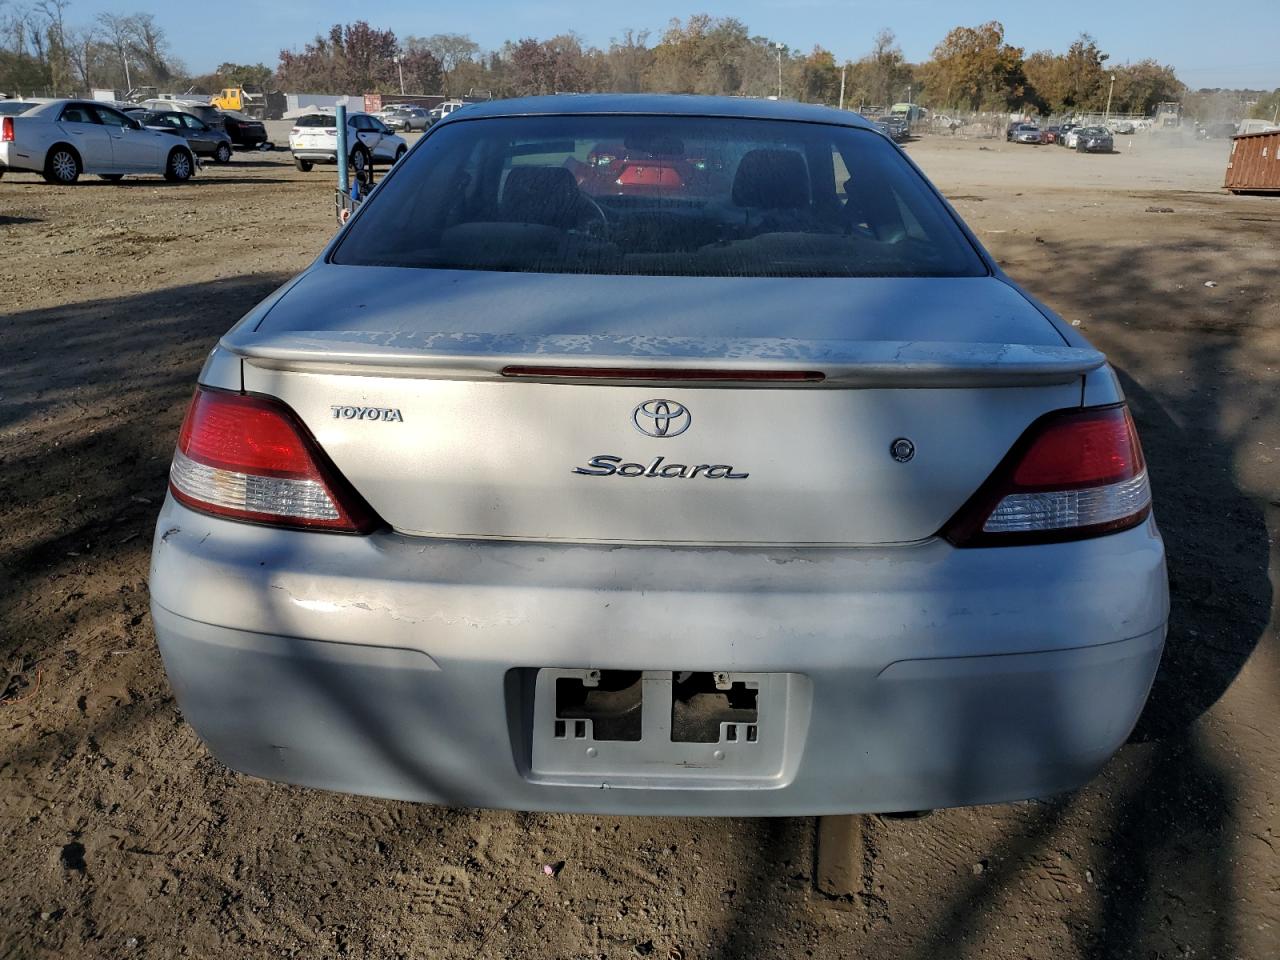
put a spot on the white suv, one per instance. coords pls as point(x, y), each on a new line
point(314, 139)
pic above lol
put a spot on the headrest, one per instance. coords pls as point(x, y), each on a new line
point(545, 195)
point(772, 180)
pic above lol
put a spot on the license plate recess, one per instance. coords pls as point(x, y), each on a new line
point(644, 728)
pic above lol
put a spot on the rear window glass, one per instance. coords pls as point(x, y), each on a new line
point(9, 108)
point(161, 119)
point(315, 120)
point(660, 196)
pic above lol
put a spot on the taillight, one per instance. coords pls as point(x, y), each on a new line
point(1073, 474)
point(250, 458)
point(6, 130)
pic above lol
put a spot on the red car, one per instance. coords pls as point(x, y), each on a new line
point(657, 169)
point(1050, 134)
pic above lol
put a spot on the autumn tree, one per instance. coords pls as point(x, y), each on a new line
point(558, 65)
point(1142, 85)
point(974, 68)
point(886, 73)
point(628, 62)
point(705, 54)
point(1083, 77)
point(818, 79)
point(355, 58)
point(253, 76)
point(456, 58)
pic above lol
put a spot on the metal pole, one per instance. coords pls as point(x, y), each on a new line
point(400, 69)
point(1110, 91)
point(344, 181)
point(842, 70)
point(125, 60)
point(779, 46)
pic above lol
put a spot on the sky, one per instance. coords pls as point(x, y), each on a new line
point(1235, 44)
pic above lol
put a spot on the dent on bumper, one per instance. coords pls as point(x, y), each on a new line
point(398, 667)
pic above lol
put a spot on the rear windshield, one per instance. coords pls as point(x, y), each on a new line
point(660, 196)
point(152, 119)
point(315, 120)
point(9, 108)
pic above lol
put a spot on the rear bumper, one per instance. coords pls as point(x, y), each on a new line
point(316, 156)
point(404, 668)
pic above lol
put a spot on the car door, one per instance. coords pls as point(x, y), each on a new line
point(134, 149)
point(366, 133)
point(199, 134)
point(387, 140)
point(90, 138)
point(381, 138)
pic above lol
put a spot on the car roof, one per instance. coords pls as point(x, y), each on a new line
point(54, 106)
point(676, 105)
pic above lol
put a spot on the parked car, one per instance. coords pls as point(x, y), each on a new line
point(1072, 138)
point(787, 501)
point(664, 167)
point(203, 111)
point(314, 139)
point(1124, 128)
point(1064, 134)
point(1027, 133)
point(405, 117)
point(442, 110)
point(1094, 140)
point(1010, 129)
point(245, 132)
point(63, 139)
point(898, 129)
point(202, 138)
point(1050, 134)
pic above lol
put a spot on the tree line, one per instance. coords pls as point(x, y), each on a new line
point(971, 68)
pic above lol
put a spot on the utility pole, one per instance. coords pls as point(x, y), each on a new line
point(125, 60)
point(842, 70)
point(400, 70)
point(779, 46)
point(1110, 90)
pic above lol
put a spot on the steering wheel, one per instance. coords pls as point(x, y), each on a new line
point(602, 232)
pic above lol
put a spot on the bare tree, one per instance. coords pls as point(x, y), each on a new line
point(118, 35)
point(151, 47)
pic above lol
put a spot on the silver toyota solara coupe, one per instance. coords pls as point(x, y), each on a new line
point(659, 455)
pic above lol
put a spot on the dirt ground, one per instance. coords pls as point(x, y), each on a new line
point(122, 837)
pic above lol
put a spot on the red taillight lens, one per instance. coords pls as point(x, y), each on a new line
point(250, 458)
point(6, 130)
point(1074, 474)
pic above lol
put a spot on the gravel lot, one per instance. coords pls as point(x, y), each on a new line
point(121, 837)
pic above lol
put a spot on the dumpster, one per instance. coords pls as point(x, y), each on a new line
point(1254, 166)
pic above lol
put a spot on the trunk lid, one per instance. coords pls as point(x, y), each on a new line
point(400, 376)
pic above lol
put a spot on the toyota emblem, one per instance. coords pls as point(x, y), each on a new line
point(661, 418)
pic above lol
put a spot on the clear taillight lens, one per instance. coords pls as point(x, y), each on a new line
point(250, 458)
point(1074, 474)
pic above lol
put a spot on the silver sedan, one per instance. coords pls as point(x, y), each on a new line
point(665, 468)
point(1027, 133)
point(62, 139)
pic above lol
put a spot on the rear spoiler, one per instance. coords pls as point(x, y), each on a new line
point(836, 363)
